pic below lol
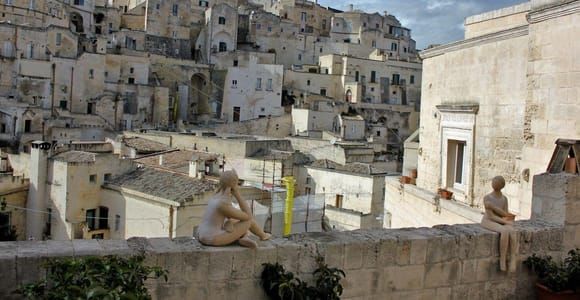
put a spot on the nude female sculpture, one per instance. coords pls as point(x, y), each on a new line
point(497, 218)
point(214, 230)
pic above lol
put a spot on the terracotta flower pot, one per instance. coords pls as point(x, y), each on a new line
point(445, 194)
point(545, 293)
point(405, 179)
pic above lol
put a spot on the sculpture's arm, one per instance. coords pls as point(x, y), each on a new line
point(243, 205)
point(498, 213)
point(234, 213)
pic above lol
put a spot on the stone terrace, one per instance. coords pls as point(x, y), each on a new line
point(443, 262)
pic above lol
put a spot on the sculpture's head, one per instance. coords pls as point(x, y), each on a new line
point(228, 179)
point(498, 183)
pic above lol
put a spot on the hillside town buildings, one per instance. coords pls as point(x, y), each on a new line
point(117, 113)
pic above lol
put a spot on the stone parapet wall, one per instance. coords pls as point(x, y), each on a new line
point(444, 262)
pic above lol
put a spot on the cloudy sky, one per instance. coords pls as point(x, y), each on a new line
point(430, 21)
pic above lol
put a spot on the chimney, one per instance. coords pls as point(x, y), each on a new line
point(193, 169)
point(161, 160)
point(37, 200)
point(351, 7)
point(386, 13)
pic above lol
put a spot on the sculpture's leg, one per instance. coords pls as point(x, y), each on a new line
point(503, 241)
point(514, 249)
point(255, 229)
point(226, 238)
point(245, 241)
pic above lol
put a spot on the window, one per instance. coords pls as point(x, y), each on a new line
point(405, 49)
point(396, 78)
point(303, 16)
point(377, 25)
point(338, 201)
point(258, 26)
point(364, 24)
point(262, 109)
point(63, 104)
point(412, 79)
point(91, 218)
point(157, 6)
point(320, 49)
point(131, 80)
point(29, 50)
point(236, 115)
point(234, 83)
point(130, 43)
point(8, 2)
point(58, 38)
point(103, 217)
point(79, 2)
point(323, 92)
point(131, 70)
point(107, 177)
point(223, 47)
point(373, 76)
point(393, 46)
point(374, 44)
point(117, 222)
point(31, 5)
point(222, 20)
point(91, 74)
point(259, 84)
point(269, 84)
point(299, 56)
point(27, 125)
point(175, 9)
point(308, 82)
point(356, 75)
point(235, 63)
point(93, 178)
point(203, 3)
point(378, 133)
point(323, 24)
point(455, 163)
point(2, 128)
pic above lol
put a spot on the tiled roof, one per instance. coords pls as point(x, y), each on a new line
point(359, 168)
point(144, 146)
point(178, 160)
point(75, 157)
point(163, 184)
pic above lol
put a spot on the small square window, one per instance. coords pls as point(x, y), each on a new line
point(91, 73)
point(235, 63)
point(131, 70)
point(93, 178)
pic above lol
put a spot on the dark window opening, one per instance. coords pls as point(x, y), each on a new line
point(27, 125)
point(236, 114)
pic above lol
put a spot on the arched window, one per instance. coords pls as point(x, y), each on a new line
point(348, 96)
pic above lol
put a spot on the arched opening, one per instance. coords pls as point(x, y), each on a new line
point(348, 96)
point(76, 21)
point(199, 99)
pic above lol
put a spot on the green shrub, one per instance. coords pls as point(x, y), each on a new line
point(280, 284)
point(557, 276)
point(108, 277)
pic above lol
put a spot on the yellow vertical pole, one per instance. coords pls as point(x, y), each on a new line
point(289, 181)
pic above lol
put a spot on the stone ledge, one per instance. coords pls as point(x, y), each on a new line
point(446, 258)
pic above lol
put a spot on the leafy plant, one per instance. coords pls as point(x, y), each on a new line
point(108, 277)
point(280, 284)
point(557, 276)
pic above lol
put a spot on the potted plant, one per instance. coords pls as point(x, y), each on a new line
point(405, 179)
point(445, 194)
point(556, 280)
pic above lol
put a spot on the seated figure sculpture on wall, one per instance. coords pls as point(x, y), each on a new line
point(222, 223)
point(498, 218)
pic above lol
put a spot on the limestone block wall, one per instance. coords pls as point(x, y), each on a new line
point(446, 262)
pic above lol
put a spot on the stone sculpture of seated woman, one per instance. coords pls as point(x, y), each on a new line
point(215, 231)
point(497, 218)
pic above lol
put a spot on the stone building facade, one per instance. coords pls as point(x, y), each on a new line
point(495, 103)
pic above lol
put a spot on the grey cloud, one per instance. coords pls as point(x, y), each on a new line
point(431, 21)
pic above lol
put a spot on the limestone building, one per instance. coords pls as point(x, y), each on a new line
point(494, 104)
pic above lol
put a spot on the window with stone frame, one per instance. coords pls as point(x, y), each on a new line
point(222, 20)
point(457, 139)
